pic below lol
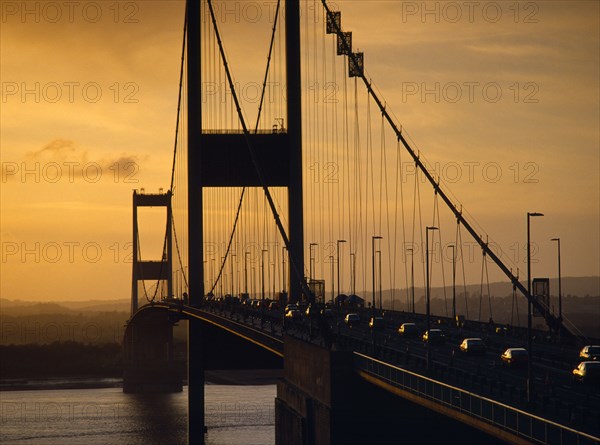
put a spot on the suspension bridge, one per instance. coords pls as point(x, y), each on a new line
point(303, 158)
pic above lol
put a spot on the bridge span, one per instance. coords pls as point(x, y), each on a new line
point(336, 377)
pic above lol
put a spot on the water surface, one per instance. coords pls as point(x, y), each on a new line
point(235, 415)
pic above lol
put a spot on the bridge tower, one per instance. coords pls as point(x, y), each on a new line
point(151, 270)
point(148, 342)
point(224, 160)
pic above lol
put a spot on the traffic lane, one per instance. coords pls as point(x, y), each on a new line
point(551, 380)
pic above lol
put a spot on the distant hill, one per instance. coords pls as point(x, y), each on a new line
point(89, 322)
point(98, 305)
point(571, 286)
point(19, 307)
point(15, 309)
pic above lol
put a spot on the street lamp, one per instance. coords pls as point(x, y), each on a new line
point(312, 260)
point(332, 288)
point(412, 277)
point(177, 281)
point(212, 274)
point(338, 242)
point(428, 298)
point(453, 282)
point(262, 273)
point(221, 280)
point(559, 288)
point(283, 249)
point(380, 282)
point(373, 238)
point(246, 253)
point(232, 281)
point(274, 274)
point(353, 272)
point(529, 308)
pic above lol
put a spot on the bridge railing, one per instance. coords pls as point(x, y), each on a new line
point(528, 426)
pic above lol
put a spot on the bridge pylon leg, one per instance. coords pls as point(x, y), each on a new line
point(148, 355)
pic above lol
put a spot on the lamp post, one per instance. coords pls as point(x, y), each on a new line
point(232, 281)
point(353, 272)
point(312, 260)
point(212, 274)
point(338, 242)
point(221, 280)
point(412, 278)
point(283, 285)
point(332, 260)
point(559, 288)
point(262, 274)
point(428, 299)
point(373, 238)
point(177, 281)
point(529, 309)
point(274, 276)
point(380, 282)
point(453, 282)
point(246, 253)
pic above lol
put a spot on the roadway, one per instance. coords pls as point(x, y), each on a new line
point(557, 396)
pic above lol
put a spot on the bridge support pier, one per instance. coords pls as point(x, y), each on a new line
point(148, 355)
point(324, 401)
point(313, 400)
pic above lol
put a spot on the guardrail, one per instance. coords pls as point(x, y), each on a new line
point(525, 425)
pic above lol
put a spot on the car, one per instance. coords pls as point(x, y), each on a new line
point(502, 330)
point(473, 346)
point(408, 330)
point(327, 312)
point(434, 336)
point(352, 319)
point(590, 352)
point(247, 302)
point(587, 372)
point(293, 314)
point(273, 306)
point(376, 323)
point(515, 357)
point(311, 310)
point(289, 307)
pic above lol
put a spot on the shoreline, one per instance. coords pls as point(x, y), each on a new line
point(250, 377)
point(50, 383)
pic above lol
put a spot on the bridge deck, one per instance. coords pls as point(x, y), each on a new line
point(469, 389)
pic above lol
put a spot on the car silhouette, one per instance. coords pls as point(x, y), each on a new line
point(293, 314)
point(408, 330)
point(376, 323)
point(587, 372)
point(590, 352)
point(473, 346)
point(352, 319)
point(434, 336)
point(515, 357)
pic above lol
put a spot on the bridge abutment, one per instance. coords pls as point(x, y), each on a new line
point(148, 355)
point(314, 401)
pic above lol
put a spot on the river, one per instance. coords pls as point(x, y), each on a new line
point(235, 415)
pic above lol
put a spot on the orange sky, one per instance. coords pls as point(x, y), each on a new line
point(89, 99)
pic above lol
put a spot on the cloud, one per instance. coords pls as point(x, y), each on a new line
point(56, 150)
point(64, 158)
